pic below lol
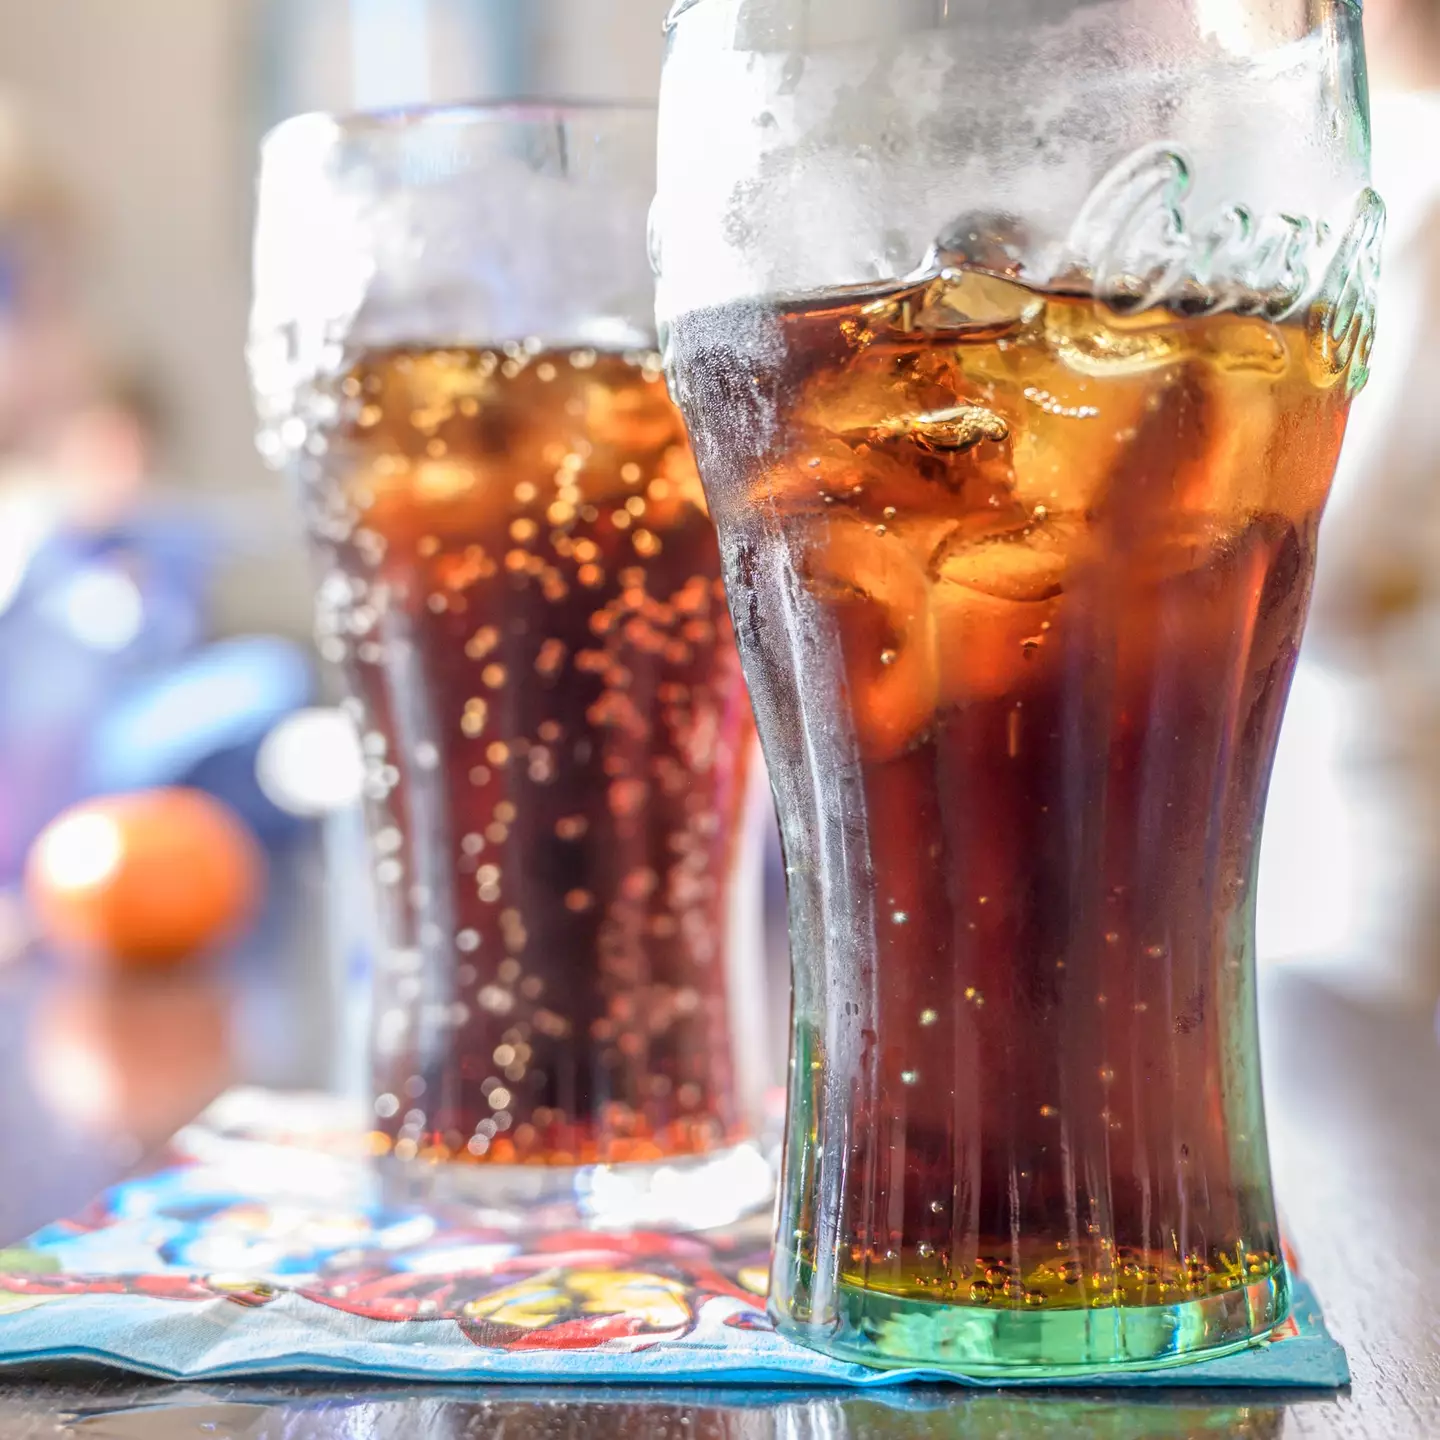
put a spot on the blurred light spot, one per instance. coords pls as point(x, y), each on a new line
point(310, 764)
point(79, 853)
point(103, 609)
point(76, 1080)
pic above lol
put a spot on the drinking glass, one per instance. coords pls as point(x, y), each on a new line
point(1016, 344)
point(453, 354)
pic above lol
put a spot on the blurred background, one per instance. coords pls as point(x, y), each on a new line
point(154, 597)
point(155, 605)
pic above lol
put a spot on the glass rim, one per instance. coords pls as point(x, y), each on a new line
point(403, 118)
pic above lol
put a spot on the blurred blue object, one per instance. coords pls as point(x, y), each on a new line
point(201, 722)
point(108, 685)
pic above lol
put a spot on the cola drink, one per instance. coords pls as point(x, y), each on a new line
point(1019, 580)
point(524, 591)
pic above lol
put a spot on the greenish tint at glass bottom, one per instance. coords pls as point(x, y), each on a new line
point(890, 1333)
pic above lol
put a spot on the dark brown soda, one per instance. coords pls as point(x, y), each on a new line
point(526, 597)
point(1019, 581)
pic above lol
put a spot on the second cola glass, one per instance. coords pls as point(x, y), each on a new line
point(1016, 344)
point(453, 354)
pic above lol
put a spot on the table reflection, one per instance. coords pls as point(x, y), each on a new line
point(524, 1413)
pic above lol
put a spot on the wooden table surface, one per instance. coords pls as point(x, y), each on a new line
point(1354, 1100)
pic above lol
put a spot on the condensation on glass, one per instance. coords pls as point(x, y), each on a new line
point(453, 355)
point(1016, 345)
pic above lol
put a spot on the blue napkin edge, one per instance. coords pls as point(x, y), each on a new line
point(1311, 1360)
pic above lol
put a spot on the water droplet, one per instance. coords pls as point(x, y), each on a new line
point(900, 917)
point(929, 1017)
point(909, 1077)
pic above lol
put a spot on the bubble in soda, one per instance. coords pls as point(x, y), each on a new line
point(527, 603)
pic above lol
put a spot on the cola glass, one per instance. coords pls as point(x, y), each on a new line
point(1016, 344)
point(454, 357)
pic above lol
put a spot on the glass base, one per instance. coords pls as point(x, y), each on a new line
point(891, 1333)
point(693, 1192)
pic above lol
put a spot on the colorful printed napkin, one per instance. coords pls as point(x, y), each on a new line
point(263, 1247)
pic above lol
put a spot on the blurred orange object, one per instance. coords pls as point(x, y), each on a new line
point(134, 1056)
point(144, 880)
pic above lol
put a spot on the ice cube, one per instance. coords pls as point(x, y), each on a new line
point(828, 473)
point(1241, 467)
point(1065, 460)
point(1183, 543)
point(1070, 427)
point(967, 300)
point(876, 588)
point(1268, 440)
point(998, 601)
point(1028, 565)
point(874, 395)
point(987, 645)
point(1235, 342)
point(984, 241)
point(969, 304)
point(1091, 343)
